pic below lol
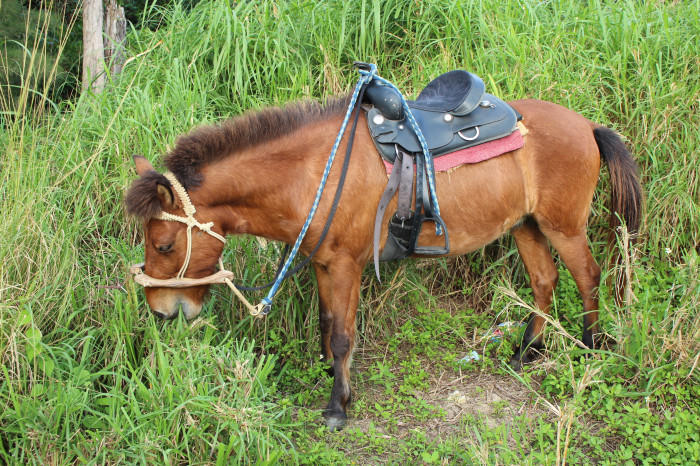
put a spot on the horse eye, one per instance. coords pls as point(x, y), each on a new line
point(165, 248)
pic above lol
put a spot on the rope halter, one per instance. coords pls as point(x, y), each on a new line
point(189, 220)
point(180, 281)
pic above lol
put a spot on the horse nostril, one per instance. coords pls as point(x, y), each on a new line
point(159, 314)
point(166, 317)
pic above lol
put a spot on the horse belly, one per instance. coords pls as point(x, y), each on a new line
point(479, 203)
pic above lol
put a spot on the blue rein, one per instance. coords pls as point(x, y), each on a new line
point(368, 72)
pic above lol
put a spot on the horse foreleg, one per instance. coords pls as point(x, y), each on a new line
point(534, 251)
point(344, 275)
point(325, 316)
point(574, 251)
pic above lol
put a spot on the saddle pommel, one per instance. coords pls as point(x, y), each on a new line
point(384, 99)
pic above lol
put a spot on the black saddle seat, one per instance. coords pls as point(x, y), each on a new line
point(457, 92)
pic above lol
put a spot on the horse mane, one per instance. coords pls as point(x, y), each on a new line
point(210, 143)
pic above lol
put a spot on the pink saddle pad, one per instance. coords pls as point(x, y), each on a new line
point(474, 154)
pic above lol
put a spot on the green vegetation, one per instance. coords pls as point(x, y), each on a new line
point(39, 54)
point(88, 375)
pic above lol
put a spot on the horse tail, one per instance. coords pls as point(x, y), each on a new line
point(626, 192)
point(626, 201)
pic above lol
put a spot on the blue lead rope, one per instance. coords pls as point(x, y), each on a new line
point(366, 76)
point(267, 300)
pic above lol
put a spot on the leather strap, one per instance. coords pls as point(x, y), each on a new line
point(331, 214)
point(401, 180)
point(389, 191)
point(403, 210)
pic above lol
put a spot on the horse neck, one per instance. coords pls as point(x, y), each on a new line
point(267, 190)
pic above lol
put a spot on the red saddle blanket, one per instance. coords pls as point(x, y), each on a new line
point(475, 154)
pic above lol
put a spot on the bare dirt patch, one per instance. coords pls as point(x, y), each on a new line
point(495, 399)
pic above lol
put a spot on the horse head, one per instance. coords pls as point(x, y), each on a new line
point(171, 253)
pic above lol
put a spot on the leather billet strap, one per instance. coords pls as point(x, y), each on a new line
point(403, 209)
point(406, 224)
point(401, 179)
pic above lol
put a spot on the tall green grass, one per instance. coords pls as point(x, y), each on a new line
point(88, 374)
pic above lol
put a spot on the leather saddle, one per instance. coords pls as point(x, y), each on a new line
point(453, 112)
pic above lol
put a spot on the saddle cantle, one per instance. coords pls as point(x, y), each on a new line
point(453, 112)
point(457, 92)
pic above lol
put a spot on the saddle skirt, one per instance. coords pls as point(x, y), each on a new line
point(476, 154)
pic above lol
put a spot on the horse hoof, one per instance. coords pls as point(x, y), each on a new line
point(335, 422)
point(516, 364)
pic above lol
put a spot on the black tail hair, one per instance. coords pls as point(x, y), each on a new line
point(626, 199)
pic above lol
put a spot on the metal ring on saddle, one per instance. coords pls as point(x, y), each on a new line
point(476, 135)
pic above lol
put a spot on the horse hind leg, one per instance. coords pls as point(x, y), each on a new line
point(576, 254)
point(534, 251)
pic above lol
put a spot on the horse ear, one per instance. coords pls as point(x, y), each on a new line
point(150, 194)
point(165, 194)
point(142, 165)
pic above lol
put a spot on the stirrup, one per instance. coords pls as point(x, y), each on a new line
point(432, 250)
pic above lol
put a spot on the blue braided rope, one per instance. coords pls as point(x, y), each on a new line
point(366, 77)
point(424, 146)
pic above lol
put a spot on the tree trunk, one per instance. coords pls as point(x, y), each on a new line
point(93, 46)
point(115, 35)
point(104, 33)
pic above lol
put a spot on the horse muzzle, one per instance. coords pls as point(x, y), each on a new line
point(167, 304)
point(222, 276)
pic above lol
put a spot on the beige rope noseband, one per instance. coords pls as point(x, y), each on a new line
point(180, 281)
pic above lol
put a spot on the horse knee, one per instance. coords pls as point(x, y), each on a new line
point(544, 284)
point(340, 345)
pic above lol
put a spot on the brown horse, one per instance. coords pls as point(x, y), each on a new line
point(257, 174)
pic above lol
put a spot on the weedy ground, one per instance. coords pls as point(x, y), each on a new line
point(88, 375)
